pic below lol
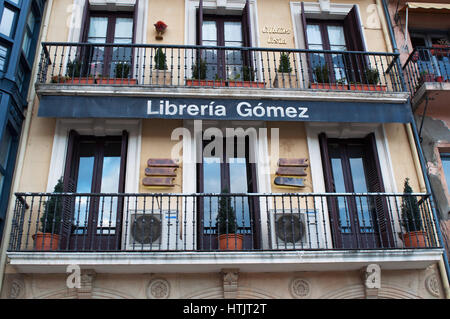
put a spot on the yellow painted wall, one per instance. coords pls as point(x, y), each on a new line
point(401, 156)
point(156, 143)
point(293, 144)
point(59, 24)
point(171, 13)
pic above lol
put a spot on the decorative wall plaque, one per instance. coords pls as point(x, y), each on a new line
point(288, 171)
point(161, 172)
point(158, 289)
point(300, 288)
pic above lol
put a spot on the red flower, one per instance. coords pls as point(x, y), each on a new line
point(160, 26)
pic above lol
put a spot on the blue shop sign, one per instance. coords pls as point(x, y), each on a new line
point(221, 109)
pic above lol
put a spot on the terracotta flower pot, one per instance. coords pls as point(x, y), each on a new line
point(117, 81)
point(80, 80)
point(367, 87)
point(205, 83)
point(45, 241)
point(415, 239)
point(329, 86)
point(231, 241)
point(247, 84)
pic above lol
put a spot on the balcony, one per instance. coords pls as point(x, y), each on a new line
point(427, 72)
point(160, 232)
point(69, 67)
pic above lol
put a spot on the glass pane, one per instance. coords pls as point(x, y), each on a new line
point(123, 31)
point(5, 148)
point(233, 58)
point(336, 35)
point(314, 36)
point(97, 30)
point(238, 184)
point(109, 184)
point(1, 182)
point(445, 159)
point(3, 56)
point(233, 34)
point(211, 184)
point(209, 38)
point(84, 185)
point(26, 44)
point(6, 25)
point(360, 186)
point(339, 183)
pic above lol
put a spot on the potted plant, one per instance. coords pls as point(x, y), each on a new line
point(199, 76)
point(121, 73)
point(414, 235)
point(441, 49)
point(160, 27)
point(48, 238)
point(426, 76)
point(322, 79)
point(73, 74)
point(248, 79)
point(372, 78)
point(161, 76)
point(284, 78)
point(227, 225)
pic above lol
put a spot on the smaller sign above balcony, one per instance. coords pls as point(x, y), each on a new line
point(221, 109)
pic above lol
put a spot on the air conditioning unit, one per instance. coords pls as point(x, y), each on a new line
point(292, 228)
point(153, 230)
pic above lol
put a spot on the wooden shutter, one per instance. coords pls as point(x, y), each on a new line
point(303, 18)
point(85, 22)
point(246, 25)
point(353, 30)
point(200, 23)
point(355, 64)
point(329, 188)
point(135, 19)
point(69, 186)
point(375, 185)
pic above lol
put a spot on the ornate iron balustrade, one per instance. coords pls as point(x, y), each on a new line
point(427, 64)
point(188, 222)
point(218, 67)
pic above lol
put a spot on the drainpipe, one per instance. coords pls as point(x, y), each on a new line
point(23, 142)
point(443, 263)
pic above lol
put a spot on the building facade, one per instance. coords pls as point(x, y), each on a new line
point(422, 33)
point(158, 131)
point(19, 30)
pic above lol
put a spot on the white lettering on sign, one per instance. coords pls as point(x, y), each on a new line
point(243, 109)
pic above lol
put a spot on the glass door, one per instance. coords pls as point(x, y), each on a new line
point(219, 173)
point(110, 28)
point(98, 167)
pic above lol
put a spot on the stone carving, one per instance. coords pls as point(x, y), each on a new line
point(17, 289)
point(86, 284)
point(300, 288)
point(230, 283)
point(432, 285)
point(372, 280)
point(158, 289)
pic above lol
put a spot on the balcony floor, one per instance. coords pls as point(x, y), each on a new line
point(201, 262)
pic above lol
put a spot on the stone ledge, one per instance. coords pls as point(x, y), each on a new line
point(177, 92)
point(198, 262)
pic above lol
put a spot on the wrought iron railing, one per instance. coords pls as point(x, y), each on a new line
point(218, 67)
point(189, 222)
point(427, 64)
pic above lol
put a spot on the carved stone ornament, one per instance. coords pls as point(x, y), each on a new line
point(17, 289)
point(158, 289)
point(300, 288)
point(230, 283)
point(432, 285)
point(372, 281)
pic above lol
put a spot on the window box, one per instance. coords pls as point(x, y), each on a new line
point(329, 86)
point(285, 80)
point(246, 84)
point(440, 50)
point(161, 77)
point(81, 80)
point(205, 83)
point(117, 81)
point(367, 87)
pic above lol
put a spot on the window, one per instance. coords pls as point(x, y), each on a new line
point(3, 56)
point(338, 35)
point(445, 159)
point(94, 165)
point(352, 166)
point(234, 174)
point(109, 28)
point(7, 24)
point(29, 34)
point(227, 31)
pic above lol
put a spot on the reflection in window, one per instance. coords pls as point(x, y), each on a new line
point(3, 57)
point(7, 22)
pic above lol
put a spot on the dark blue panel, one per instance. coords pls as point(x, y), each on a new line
point(221, 109)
